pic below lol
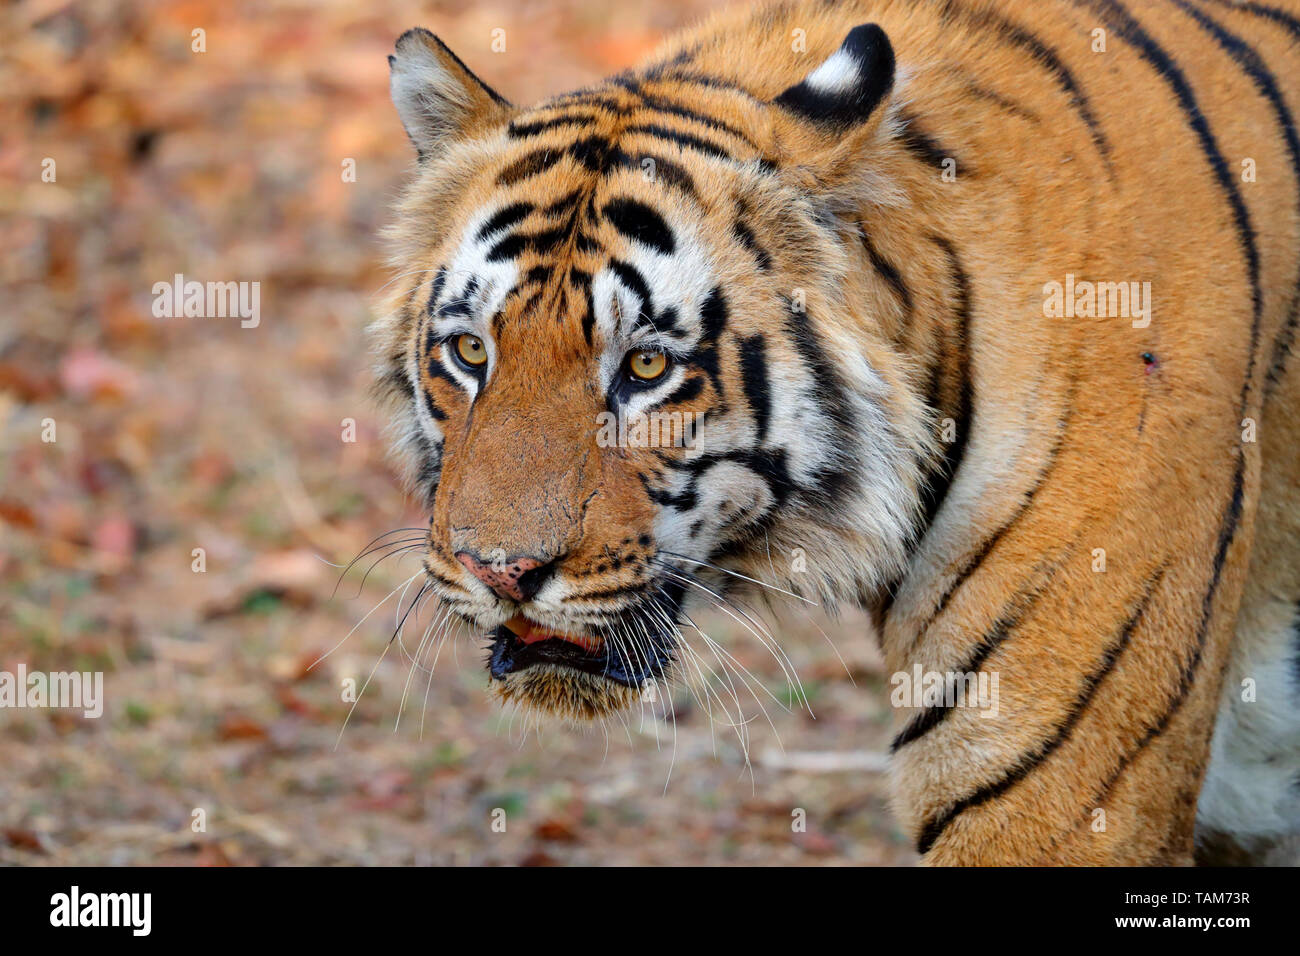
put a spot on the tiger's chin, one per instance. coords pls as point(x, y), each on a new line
point(555, 690)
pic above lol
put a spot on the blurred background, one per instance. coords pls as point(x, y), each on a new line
point(177, 434)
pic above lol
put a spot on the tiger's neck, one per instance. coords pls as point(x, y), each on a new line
point(951, 278)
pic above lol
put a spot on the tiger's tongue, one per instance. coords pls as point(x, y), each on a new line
point(530, 633)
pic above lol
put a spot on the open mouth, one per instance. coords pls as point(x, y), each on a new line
point(520, 643)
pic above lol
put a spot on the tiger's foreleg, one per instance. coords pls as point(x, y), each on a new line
point(1095, 645)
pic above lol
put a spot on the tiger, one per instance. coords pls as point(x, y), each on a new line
point(983, 310)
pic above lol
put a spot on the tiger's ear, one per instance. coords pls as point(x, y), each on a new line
point(827, 117)
point(437, 96)
point(848, 86)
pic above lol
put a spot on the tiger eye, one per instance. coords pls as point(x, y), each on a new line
point(647, 365)
point(471, 350)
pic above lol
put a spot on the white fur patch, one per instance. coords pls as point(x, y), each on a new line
point(682, 280)
point(1252, 787)
point(840, 74)
point(485, 286)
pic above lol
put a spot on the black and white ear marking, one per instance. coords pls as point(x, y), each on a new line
point(436, 95)
point(849, 84)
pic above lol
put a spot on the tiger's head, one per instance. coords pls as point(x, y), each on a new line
point(626, 373)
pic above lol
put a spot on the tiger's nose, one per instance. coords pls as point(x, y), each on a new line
point(518, 578)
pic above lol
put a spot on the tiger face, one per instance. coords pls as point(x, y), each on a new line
point(618, 364)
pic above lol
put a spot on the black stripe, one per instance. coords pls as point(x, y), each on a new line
point(528, 165)
point(439, 280)
point(1048, 59)
point(595, 99)
point(640, 223)
point(529, 304)
point(746, 237)
point(627, 81)
point(594, 153)
point(880, 612)
point(1262, 77)
point(972, 564)
point(1165, 66)
point(1295, 661)
point(517, 243)
point(444, 580)
point(986, 548)
point(684, 501)
point(504, 218)
point(1282, 346)
point(459, 306)
point(700, 79)
point(436, 413)
point(428, 452)
point(435, 368)
point(889, 272)
point(396, 378)
point(830, 484)
point(455, 307)
point(631, 278)
point(940, 479)
point(770, 466)
point(713, 319)
point(1285, 340)
point(676, 109)
point(831, 393)
point(566, 205)
point(665, 323)
point(1280, 17)
point(684, 140)
point(517, 130)
point(922, 145)
point(688, 391)
point(1004, 103)
point(1010, 618)
point(583, 281)
point(681, 58)
point(664, 170)
point(713, 315)
point(754, 380)
point(1027, 763)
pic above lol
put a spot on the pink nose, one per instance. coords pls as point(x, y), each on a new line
point(515, 578)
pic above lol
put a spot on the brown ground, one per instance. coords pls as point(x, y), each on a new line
point(176, 434)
